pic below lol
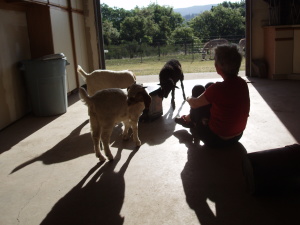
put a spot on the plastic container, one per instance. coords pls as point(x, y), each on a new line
point(155, 109)
point(46, 84)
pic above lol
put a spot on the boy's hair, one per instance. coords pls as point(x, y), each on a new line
point(228, 58)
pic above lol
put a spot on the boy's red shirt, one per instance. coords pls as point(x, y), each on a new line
point(230, 106)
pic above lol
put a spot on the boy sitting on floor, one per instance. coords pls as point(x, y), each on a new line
point(219, 113)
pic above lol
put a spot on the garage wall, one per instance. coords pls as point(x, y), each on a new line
point(296, 57)
point(30, 30)
point(62, 42)
point(80, 46)
point(14, 47)
point(259, 19)
point(69, 37)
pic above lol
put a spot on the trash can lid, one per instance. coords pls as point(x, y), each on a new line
point(53, 56)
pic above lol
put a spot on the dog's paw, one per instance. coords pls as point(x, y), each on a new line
point(173, 105)
point(138, 143)
point(101, 158)
point(110, 157)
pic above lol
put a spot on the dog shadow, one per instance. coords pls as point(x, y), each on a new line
point(96, 199)
point(71, 147)
point(76, 145)
point(159, 130)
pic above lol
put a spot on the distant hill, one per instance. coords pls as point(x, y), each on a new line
point(193, 10)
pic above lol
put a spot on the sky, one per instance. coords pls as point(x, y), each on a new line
point(128, 5)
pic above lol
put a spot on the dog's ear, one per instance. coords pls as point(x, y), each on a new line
point(143, 97)
point(131, 86)
point(147, 100)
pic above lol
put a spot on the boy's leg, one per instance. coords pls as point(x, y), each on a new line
point(197, 90)
point(200, 113)
point(210, 139)
point(208, 84)
point(196, 115)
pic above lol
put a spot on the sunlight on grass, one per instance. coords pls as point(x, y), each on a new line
point(152, 65)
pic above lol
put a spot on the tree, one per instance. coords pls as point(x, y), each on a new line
point(158, 12)
point(165, 20)
point(219, 22)
point(110, 34)
point(182, 35)
point(138, 28)
point(164, 32)
point(241, 6)
point(157, 25)
point(202, 25)
point(114, 15)
point(150, 24)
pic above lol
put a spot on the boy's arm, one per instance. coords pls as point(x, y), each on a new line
point(197, 102)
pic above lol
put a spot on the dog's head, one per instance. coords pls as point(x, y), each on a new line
point(137, 93)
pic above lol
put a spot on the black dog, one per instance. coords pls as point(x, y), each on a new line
point(168, 77)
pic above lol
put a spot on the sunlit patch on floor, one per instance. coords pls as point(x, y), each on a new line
point(212, 206)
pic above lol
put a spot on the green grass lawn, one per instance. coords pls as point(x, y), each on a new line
point(152, 65)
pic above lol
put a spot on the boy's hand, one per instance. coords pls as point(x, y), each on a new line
point(197, 102)
point(189, 99)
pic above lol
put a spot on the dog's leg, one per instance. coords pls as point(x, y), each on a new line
point(105, 137)
point(125, 134)
point(101, 144)
point(173, 98)
point(182, 87)
point(135, 132)
point(95, 132)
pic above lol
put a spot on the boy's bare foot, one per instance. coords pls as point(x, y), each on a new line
point(184, 122)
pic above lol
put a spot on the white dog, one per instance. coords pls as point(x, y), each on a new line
point(111, 106)
point(103, 79)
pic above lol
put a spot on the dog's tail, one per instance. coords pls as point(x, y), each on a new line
point(84, 96)
point(82, 72)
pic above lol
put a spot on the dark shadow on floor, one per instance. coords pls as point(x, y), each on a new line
point(21, 129)
point(216, 190)
point(159, 130)
point(96, 199)
point(73, 97)
point(76, 145)
point(283, 98)
point(72, 146)
point(26, 126)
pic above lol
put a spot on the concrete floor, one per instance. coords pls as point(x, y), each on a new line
point(49, 174)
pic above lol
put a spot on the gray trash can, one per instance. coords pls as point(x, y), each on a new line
point(46, 84)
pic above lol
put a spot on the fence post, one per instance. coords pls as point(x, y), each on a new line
point(141, 50)
point(158, 51)
point(193, 48)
